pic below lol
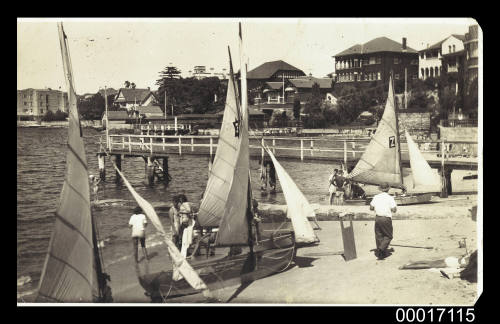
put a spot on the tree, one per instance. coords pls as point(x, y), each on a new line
point(296, 108)
point(127, 84)
point(168, 82)
point(132, 85)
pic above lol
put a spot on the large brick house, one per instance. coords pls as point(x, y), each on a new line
point(364, 64)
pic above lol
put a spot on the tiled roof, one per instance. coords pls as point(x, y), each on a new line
point(132, 95)
point(267, 69)
point(381, 44)
point(274, 85)
point(438, 44)
point(308, 82)
point(116, 115)
point(149, 109)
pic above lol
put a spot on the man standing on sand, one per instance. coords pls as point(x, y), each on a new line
point(138, 224)
point(384, 205)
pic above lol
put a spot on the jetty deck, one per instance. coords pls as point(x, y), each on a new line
point(340, 150)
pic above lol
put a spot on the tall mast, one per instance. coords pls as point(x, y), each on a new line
point(397, 130)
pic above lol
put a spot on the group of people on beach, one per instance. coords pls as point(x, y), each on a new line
point(341, 188)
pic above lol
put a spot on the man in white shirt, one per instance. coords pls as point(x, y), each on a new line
point(138, 224)
point(384, 205)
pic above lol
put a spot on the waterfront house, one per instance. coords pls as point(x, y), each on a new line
point(149, 111)
point(129, 98)
point(430, 58)
point(270, 74)
point(371, 63)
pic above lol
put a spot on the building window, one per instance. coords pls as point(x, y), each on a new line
point(25, 103)
point(414, 62)
point(436, 71)
point(453, 48)
point(379, 76)
point(422, 55)
point(449, 48)
point(378, 60)
point(396, 76)
point(372, 60)
point(396, 60)
point(414, 77)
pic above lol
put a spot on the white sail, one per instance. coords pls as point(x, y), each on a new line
point(422, 173)
point(298, 208)
point(380, 162)
point(69, 272)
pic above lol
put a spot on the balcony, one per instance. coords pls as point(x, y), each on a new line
point(459, 122)
point(452, 69)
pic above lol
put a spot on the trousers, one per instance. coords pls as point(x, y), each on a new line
point(383, 232)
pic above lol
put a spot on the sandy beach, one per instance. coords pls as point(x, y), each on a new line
point(318, 276)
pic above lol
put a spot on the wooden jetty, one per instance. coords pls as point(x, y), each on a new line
point(157, 148)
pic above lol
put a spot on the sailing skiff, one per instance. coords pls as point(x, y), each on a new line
point(381, 161)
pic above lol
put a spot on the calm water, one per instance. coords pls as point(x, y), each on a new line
point(41, 158)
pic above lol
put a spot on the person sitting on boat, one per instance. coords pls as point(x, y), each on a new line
point(332, 188)
point(138, 223)
point(175, 221)
point(384, 205)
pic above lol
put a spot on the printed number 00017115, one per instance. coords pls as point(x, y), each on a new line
point(435, 315)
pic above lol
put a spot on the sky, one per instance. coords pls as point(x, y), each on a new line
point(107, 52)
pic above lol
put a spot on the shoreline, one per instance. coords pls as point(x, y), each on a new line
point(319, 277)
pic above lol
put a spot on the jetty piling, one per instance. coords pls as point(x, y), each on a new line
point(118, 162)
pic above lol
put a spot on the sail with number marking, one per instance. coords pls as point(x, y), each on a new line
point(69, 273)
point(380, 163)
point(222, 205)
point(298, 208)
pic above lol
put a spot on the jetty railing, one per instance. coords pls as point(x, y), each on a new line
point(346, 149)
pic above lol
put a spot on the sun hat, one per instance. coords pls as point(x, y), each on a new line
point(384, 187)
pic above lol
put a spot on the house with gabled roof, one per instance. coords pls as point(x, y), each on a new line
point(129, 98)
point(430, 58)
point(269, 74)
point(373, 61)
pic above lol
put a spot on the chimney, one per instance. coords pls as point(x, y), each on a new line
point(404, 43)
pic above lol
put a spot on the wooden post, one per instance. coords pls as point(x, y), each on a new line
point(110, 143)
point(163, 143)
point(166, 176)
point(192, 144)
point(101, 162)
point(274, 146)
point(129, 144)
point(118, 162)
point(180, 146)
point(301, 149)
point(262, 150)
point(312, 147)
point(353, 148)
point(444, 190)
point(345, 153)
point(151, 144)
point(150, 174)
point(123, 143)
point(211, 147)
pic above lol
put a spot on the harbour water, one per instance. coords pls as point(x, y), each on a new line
point(41, 159)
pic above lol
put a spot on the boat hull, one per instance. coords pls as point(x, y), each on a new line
point(270, 256)
point(400, 200)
